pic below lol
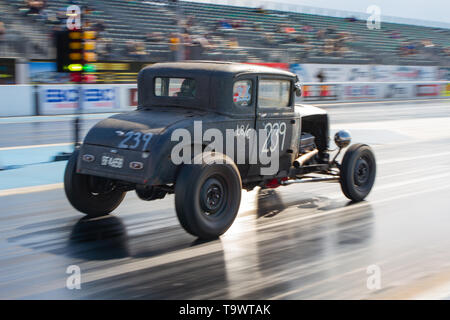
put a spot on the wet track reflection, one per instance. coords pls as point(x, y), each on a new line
point(297, 242)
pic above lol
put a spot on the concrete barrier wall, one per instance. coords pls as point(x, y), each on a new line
point(16, 100)
point(26, 100)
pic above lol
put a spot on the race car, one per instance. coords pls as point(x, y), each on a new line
point(204, 131)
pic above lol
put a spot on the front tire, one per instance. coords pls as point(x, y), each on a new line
point(208, 196)
point(93, 196)
point(358, 170)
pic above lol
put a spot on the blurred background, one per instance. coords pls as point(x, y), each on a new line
point(390, 86)
point(144, 32)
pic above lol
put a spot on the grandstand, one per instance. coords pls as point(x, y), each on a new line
point(144, 30)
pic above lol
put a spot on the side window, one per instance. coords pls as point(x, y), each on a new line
point(274, 93)
point(242, 93)
point(175, 87)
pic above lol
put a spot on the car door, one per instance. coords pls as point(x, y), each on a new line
point(276, 124)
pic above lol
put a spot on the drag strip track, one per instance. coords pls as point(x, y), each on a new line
point(296, 242)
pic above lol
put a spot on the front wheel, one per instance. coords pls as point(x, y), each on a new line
point(208, 196)
point(93, 196)
point(358, 170)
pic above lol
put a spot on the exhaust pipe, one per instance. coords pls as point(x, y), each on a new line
point(300, 161)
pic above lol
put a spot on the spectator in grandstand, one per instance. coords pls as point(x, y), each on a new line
point(395, 35)
point(174, 45)
point(321, 75)
point(99, 26)
point(233, 43)
point(2, 35)
point(300, 39)
point(269, 39)
point(154, 37)
point(2, 31)
point(35, 6)
point(104, 48)
point(257, 26)
point(260, 10)
point(237, 24)
point(307, 28)
point(320, 34)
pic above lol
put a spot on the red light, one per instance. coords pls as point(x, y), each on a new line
point(76, 77)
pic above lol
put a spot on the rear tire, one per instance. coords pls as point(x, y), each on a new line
point(208, 196)
point(81, 193)
point(358, 171)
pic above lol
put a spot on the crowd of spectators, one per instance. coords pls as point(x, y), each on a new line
point(193, 39)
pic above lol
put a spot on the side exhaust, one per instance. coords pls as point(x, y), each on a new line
point(300, 161)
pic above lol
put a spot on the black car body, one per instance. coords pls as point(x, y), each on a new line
point(133, 150)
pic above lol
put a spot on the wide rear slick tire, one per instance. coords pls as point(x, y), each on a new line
point(208, 196)
point(79, 191)
point(358, 171)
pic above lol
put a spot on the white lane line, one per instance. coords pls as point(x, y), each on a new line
point(37, 146)
point(41, 188)
point(190, 253)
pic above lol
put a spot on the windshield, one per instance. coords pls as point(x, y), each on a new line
point(175, 87)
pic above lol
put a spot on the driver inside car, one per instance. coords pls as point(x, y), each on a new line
point(187, 88)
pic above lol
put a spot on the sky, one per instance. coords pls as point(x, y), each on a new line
point(432, 10)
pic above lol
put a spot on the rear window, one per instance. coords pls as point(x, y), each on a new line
point(274, 93)
point(175, 87)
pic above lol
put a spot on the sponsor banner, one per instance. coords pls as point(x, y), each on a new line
point(65, 99)
point(445, 90)
point(7, 71)
point(398, 91)
point(427, 90)
point(133, 94)
point(282, 66)
point(364, 73)
point(361, 92)
point(320, 92)
point(444, 73)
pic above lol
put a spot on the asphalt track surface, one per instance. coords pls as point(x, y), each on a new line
point(303, 241)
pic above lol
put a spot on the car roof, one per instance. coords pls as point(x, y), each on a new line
point(213, 67)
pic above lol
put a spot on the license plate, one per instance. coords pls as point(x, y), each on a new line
point(113, 161)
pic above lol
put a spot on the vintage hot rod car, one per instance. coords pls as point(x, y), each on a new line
point(164, 146)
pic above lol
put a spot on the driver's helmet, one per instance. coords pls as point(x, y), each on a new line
point(187, 88)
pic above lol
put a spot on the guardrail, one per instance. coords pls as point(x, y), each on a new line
point(29, 100)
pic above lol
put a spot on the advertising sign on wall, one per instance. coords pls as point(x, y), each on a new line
point(398, 91)
point(320, 92)
point(427, 90)
point(65, 99)
point(363, 73)
point(133, 92)
point(360, 92)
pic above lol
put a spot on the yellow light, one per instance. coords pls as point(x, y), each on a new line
point(89, 45)
point(90, 56)
point(75, 67)
point(89, 35)
point(75, 56)
point(75, 35)
point(75, 45)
